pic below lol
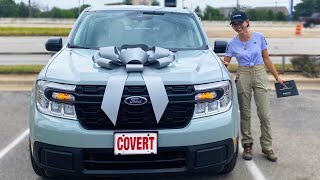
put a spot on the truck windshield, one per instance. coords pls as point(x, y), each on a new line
point(175, 31)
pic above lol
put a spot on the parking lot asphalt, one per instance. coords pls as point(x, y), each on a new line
point(295, 125)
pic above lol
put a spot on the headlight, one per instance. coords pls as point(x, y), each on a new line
point(55, 99)
point(212, 98)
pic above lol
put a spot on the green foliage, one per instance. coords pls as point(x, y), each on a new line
point(265, 15)
point(252, 14)
point(270, 15)
point(20, 69)
point(198, 11)
point(23, 10)
point(8, 8)
point(155, 3)
point(128, 2)
point(310, 66)
point(306, 8)
point(28, 31)
point(211, 13)
point(61, 13)
point(280, 16)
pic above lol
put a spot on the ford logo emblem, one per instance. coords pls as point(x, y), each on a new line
point(135, 100)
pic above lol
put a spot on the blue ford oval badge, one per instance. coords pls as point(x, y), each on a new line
point(135, 100)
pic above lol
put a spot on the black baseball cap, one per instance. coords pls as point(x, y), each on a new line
point(238, 16)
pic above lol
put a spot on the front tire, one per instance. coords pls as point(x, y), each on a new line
point(312, 25)
point(232, 164)
point(39, 171)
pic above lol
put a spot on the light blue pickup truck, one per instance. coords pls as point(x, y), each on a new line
point(134, 90)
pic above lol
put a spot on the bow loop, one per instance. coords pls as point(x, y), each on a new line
point(133, 55)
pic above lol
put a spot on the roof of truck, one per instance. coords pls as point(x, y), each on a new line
point(139, 8)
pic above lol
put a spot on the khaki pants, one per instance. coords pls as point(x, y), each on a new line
point(254, 79)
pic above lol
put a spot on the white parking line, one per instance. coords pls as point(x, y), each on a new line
point(253, 168)
point(8, 148)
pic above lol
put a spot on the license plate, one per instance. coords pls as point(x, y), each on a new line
point(135, 143)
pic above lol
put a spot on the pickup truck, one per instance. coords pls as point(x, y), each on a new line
point(134, 90)
point(311, 21)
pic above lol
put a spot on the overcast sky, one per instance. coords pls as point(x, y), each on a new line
point(189, 3)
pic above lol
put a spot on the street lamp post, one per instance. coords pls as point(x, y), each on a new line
point(238, 5)
point(30, 8)
point(79, 6)
point(291, 10)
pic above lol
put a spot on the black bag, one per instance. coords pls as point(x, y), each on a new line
point(288, 89)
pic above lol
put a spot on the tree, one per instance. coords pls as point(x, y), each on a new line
point(8, 8)
point(306, 8)
point(155, 3)
point(128, 2)
point(280, 17)
point(270, 15)
point(198, 11)
point(252, 14)
point(211, 13)
point(23, 10)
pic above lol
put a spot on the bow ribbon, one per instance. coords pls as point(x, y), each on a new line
point(134, 60)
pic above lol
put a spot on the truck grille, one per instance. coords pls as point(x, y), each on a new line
point(178, 113)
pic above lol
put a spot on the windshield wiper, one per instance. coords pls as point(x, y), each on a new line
point(79, 47)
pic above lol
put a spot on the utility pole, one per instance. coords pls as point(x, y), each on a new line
point(238, 5)
point(291, 10)
point(79, 7)
point(30, 8)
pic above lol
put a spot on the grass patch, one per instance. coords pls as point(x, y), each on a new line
point(31, 31)
point(20, 69)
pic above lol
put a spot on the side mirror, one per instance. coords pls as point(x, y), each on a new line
point(220, 46)
point(54, 44)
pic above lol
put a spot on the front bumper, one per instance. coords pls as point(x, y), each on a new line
point(59, 160)
point(69, 133)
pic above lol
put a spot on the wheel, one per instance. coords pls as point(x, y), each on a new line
point(39, 171)
point(232, 164)
point(312, 25)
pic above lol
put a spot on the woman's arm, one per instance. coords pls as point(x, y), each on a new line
point(267, 61)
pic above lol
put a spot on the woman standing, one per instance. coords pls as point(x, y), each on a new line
point(250, 50)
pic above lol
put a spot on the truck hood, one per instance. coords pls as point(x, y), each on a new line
point(75, 66)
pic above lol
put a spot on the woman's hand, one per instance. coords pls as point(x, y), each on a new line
point(281, 81)
point(226, 61)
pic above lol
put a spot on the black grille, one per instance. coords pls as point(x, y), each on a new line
point(102, 160)
point(178, 113)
